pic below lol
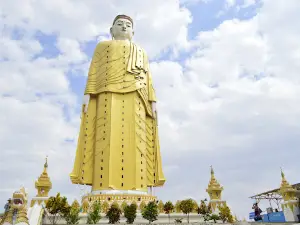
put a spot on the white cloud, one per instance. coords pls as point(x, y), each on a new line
point(233, 103)
point(252, 108)
point(236, 6)
point(230, 3)
point(248, 3)
point(70, 50)
point(236, 46)
point(193, 2)
point(83, 21)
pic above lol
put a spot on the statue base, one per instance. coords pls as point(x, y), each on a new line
point(119, 197)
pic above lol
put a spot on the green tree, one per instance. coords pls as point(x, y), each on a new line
point(134, 202)
point(214, 217)
point(75, 204)
point(186, 207)
point(72, 215)
point(195, 207)
point(203, 208)
point(56, 208)
point(130, 213)
point(168, 208)
point(177, 207)
point(123, 205)
point(225, 214)
point(142, 206)
point(94, 214)
point(160, 206)
point(209, 208)
point(204, 211)
point(150, 212)
point(105, 207)
point(114, 213)
point(115, 203)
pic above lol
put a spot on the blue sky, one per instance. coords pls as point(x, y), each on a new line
point(206, 15)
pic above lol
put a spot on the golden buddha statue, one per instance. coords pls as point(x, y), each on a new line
point(118, 144)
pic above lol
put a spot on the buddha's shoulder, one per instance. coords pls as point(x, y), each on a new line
point(115, 43)
point(107, 43)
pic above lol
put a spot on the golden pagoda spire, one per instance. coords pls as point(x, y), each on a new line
point(43, 184)
point(288, 193)
point(213, 183)
point(214, 190)
point(46, 165)
point(284, 183)
point(282, 174)
point(212, 172)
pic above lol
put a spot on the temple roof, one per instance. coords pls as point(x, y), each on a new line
point(276, 194)
point(285, 185)
point(268, 194)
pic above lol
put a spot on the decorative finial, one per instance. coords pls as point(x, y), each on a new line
point(46, 163)
point(282, 174)
point(212, 172)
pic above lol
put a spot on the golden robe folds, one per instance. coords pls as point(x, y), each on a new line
point(118, 146)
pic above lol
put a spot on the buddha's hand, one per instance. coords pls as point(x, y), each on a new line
point(154, 109)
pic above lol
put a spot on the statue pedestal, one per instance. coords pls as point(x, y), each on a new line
point(115, 196)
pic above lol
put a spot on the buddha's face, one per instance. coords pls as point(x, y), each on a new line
point(122, 29)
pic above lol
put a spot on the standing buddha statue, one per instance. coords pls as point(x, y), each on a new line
point(118, 145)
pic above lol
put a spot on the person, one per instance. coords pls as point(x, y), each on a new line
point(118, 145)
point(7, 205)
point(257, 212)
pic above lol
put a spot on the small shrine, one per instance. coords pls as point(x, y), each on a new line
point(214, 190)
point(290, 205)
point(43, 186)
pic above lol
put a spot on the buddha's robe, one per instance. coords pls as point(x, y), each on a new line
point(118, 145)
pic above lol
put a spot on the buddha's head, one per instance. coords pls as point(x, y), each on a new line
point(122, 28)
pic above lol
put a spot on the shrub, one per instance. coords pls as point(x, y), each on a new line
point(150, 212)
point(114, 214)
point(94, 213)
point(130, 213)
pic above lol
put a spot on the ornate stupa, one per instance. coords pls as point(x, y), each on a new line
point(43, 186)
point(214, 190)
point(290, 204)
